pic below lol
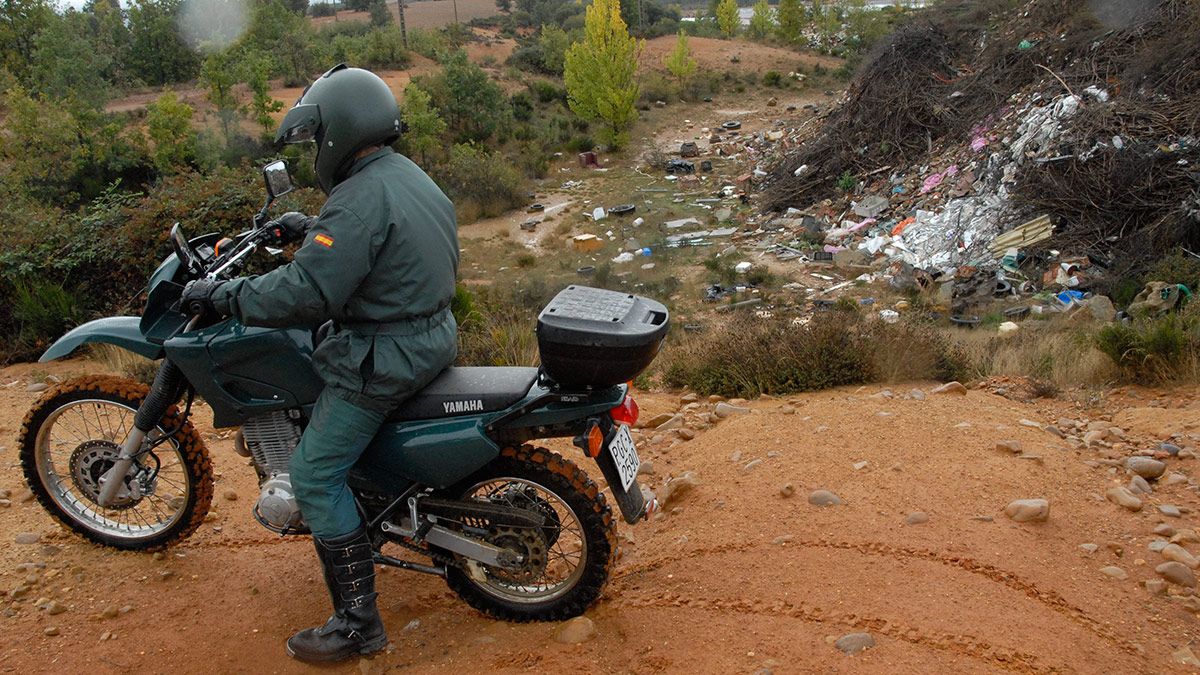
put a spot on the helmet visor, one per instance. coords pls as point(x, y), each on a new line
point(300, 125)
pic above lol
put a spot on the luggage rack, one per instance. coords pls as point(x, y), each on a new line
point(553, 394)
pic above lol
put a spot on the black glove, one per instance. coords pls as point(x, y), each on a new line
point(291, 226)
point(197, 296)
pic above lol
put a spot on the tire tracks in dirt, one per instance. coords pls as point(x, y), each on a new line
point(964, 644)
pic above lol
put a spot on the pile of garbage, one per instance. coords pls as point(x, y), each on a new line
point(1038, 158)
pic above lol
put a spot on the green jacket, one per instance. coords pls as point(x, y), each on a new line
point(380, 260)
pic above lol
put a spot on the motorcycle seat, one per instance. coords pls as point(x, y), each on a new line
point(467, 391)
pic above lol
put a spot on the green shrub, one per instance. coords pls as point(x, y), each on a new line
point(43, 310)
point(479, 182)
point(1154, 350)
point(548, 92)
point(772, 78)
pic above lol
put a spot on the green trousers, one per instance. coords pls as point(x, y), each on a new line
point(336, 437)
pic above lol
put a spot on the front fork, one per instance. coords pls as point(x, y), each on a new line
point(168, 386)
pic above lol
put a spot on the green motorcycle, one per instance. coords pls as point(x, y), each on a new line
point(517, 531)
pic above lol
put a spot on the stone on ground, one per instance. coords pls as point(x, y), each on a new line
point(1028, 510)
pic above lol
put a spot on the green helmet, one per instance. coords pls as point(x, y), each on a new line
point(344, 111)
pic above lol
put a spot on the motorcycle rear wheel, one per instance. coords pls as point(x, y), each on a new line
point(94, 414)
point(583, 534)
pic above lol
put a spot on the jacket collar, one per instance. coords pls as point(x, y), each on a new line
point(359, 164)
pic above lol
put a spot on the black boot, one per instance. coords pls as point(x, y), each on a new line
point(355, 627)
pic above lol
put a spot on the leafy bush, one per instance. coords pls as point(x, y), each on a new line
point(548, 92)
point(479, 182)
point(772, 78)
point(322, 9)
point(1154, 350)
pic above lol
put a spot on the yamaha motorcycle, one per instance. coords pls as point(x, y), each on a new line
point(452, 478)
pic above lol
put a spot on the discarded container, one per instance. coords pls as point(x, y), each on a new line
point(1008, 328)
point(599, 213)
point(535, 208)
point(639, 221)
point(586, 270)
point(586, 243)
point(689, 149)
point(706, 165)
point(731, 125)
point(622, 209)
point(742, 267)
point(529, 225)
point(678, 166)
point(588, 160)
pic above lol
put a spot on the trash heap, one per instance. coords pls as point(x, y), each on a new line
point(1036, 158)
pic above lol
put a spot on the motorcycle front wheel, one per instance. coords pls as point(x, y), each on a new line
point(72, 436)
point(567, 560)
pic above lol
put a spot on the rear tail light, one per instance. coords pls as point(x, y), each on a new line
point(626, 413)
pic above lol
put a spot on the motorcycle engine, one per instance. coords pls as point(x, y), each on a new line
point(271, 439)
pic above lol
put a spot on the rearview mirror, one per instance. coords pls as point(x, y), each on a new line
point(275, 175)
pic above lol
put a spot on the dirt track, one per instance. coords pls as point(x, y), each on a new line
point(735, 578)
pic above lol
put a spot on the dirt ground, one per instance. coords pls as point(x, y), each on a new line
point(717, 54)
point(425, 13)
point(734, 578)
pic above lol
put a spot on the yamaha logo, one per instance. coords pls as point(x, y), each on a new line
point(463, 406)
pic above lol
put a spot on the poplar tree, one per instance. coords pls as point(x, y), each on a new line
point(601, 72)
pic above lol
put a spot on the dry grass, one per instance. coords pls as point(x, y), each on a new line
point(125, 362)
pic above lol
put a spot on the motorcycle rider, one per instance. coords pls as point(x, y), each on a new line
point(380, 261)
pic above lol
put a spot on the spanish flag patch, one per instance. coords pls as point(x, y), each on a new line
point(324, 240)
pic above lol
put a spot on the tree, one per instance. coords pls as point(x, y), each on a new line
point(286, 38)
point(219, 77)
point(424, 126)
point(169, 124)
point(679, 62)
point(69, 62)
point(380, 16)
point(504, 5)
point(20, 23)
point(762, 23)
point(791, 20)
point(473, 105)
point(728, 19)
point(157, 53)
point(601, 71)
point(554, 42)
point(256, 69)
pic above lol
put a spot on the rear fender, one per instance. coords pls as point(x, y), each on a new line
point(121, 331)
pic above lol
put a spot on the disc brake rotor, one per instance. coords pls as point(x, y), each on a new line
point(89, 463)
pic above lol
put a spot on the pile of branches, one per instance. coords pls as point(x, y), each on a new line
point(933, 78)
point(1131, 188)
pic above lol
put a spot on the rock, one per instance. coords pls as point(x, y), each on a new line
point(824, 498)
point(1028, 510)
point(1101, 308)
point(685, 434)
point(109, 612)
point(1054, 431)
point(230, 495)
point(1139, 486)
point(5, 503)
point(1177, 573)
point(672, 422)
point(1185, 536)
point(1169, 510)
point(950, 388)
point(783, 539)
point(1095, 437)
point(1009, 446)
point(1184, 657)
point(916, 518)
point(1155, 586)
point(1173, 478)
point(1115, 572)
point(35, 387)
point(1145, 467)
point(50, 631)
point(1164, 530)
point(677, 486)
point(1117, 549)
point(654, 422)
point(646, 468)
point(751, 464)
point(577, 630)
point(1157, 545)
point(1124, 498)
point(787, 490)
point(1169, 448)
point(1089, 548)
point(724, 410)
point(735, 456)
point(689, 398)
point(859, 466)
point(27, 538)
point(916, 395)
point(55, 607)
point(1180, 554)
point(853, 643)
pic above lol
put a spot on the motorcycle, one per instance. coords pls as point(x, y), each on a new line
point(517, 531)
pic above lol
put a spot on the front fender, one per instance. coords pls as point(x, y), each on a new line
point(121, 331)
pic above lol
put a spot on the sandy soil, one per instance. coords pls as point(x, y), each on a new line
point(717, 54)
point(425, 13)
point(733, 578)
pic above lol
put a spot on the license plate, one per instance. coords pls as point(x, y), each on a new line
point(624, 456)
